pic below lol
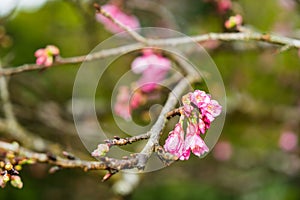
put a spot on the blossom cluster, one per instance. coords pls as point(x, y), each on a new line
point(9, 173)
point(128, 20)
point(45, 56)
point(10, 165)
point(153, 68)
point(198, 110)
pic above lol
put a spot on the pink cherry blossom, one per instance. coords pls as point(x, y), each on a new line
point(153, 67)
point(137, 99)
point(200, 98)
point(127, 20)
point(46, 56)
point(214, 108)
point(126, 101)
point(233, 21)
point(194, 142)
point(199, 110)
point(175, 141)
point(288, 141)
point(209, 108)
point(224, 5)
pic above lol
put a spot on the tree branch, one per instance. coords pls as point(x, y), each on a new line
point(242, 36)
point(105, 163)
point(117, 141)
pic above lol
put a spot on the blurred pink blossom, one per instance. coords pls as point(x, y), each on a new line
point(222, 151)
point(137, 99)
point(127, 20)
point(224, 5)
point(288, 5)
point(122, 107)
point(46, 55)
point(127, 101)
point(288, 141)
point(233, 21)
point(153, 67)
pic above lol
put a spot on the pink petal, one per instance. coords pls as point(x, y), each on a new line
point(39, 52)
point(49, 61)
point(139, 65)
point(175, 143)
point(53, 50)
point(41, 60)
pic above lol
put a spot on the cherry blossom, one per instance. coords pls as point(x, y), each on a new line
point(222, 151)
point(153, 67)
point(175, 142)
point(288, 141)
point(122, 106)
point(194, 142)
point(208, 108)
point(233, 21)
point(46, 55)
point(127, 20)
point(198, 110)
point(224, 5)
point(127, 101)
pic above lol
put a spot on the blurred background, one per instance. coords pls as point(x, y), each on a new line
point(257, 156)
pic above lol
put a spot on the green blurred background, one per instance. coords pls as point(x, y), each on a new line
point(262, 86)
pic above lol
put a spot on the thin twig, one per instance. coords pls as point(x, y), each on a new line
point(245, 36)
point(105, 163)
point(117, 141)
point(7, 107)
point(175, 112)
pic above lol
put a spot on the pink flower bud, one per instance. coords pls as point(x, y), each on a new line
point(53, 50)
point(233, 21)
point(46, 56)
point(16, 181)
